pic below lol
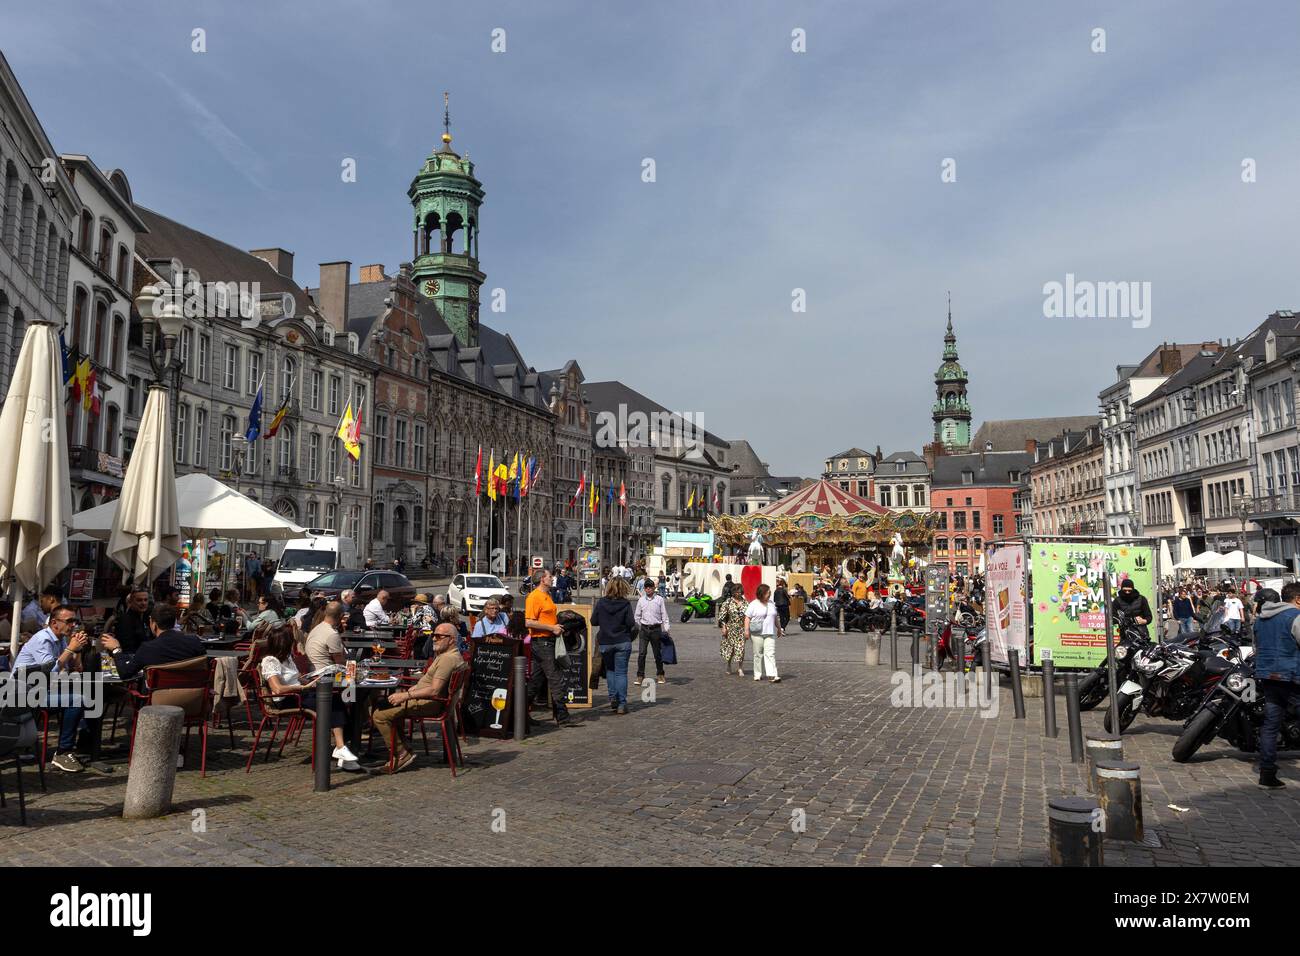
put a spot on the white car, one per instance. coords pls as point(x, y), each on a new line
point(470, 592)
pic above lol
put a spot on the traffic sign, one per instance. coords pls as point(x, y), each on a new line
point(537, 562)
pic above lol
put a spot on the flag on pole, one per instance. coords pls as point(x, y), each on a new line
point(690, 502)
point(622, 494)
point(502, 479)
point(591, 504)
point(478, 473)
point(492, 475)
point(96, 393)
point(535, 467)
point(349, 430)
point(278, 419)
point(609, 495)
point(715, 499)
point(582, 483)
point(69, 369)
point(81, 380)
point(523, 477)
point(255, 417)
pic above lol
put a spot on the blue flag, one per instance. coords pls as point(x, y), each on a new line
point(255, 417)
point(609, 496)
point(68, 365)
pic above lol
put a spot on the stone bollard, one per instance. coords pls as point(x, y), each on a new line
point(152, 775)
point(1101, 747)
point(873, 647)
point(1017, 692)
point(1074, 838)
point(1119, 791)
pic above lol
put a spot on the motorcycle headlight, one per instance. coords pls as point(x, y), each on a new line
point(1121, 652)
point(1236, 682)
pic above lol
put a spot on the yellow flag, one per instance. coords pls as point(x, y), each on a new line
point(690, 502)
point(514, 468)
point(492, 476)
point(348, 433)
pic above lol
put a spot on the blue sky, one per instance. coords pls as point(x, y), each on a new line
point(775, 171)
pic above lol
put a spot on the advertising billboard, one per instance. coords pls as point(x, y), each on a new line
point(1004, 608)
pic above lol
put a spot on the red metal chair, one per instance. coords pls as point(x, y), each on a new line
point(185, 684)
point(448, 723)
point(275, 712)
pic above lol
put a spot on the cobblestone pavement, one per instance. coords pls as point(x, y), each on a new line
point(875, 784)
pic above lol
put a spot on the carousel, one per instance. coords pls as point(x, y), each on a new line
point(824, 524)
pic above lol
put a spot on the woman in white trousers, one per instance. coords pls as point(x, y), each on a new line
point(764, 629)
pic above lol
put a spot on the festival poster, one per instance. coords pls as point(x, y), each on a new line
point(1069, 612)
point(1004, 597)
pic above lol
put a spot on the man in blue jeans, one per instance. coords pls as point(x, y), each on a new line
point(1277, 674)
point(1181, 610)
point(56, 649)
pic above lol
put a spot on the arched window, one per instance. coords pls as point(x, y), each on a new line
point(119, 336)
point(86, 236)
point(377, 520)
point(25, 229)
point(100, 342)
point(288, 375)
point(286, 448)
point(123, 269)
point(38, 248)
point(105, 261)
point(78, 320)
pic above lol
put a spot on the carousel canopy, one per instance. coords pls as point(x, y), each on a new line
point(823, 499)
point(825, 517)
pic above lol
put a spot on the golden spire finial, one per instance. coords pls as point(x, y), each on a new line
point(446, 118)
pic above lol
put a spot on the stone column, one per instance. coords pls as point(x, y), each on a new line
point(152, 775)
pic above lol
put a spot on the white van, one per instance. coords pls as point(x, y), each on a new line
point(303, 560)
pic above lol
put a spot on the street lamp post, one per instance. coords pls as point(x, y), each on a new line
point(1244, 511)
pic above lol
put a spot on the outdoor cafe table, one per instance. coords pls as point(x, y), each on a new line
point(224, 652)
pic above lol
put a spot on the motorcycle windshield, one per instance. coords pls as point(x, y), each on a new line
point(1214, 624)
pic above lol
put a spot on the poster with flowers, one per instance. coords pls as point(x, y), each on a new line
point(1069, 612)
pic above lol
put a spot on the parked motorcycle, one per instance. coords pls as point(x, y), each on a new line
point(820, 611)
point(1131, 637)
point(1234, 710)
point(697, 604)
point(955, 639)
point(1170, 679)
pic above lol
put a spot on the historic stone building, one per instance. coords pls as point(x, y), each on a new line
point(100, 277)
point(284, 345)
point(852, 469)
point(1068, 482)
point(574, 438)
point(38, 208)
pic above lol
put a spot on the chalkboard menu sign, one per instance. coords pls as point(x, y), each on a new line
point(491, 674)
point(578, 661)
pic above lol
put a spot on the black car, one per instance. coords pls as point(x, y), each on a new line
point(401, 592)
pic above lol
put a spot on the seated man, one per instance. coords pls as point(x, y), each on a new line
point(428, 698)
point(130, 627)
point(324, 645)
point(375, 614)
point(56, 649)
point(167, 646)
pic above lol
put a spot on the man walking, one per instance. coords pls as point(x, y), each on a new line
point(540, 616)
point(652, 619)
point(1181, 610)
point(253, 576)
point(1277, 671)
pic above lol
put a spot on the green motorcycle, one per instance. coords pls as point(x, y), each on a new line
point(697, 605)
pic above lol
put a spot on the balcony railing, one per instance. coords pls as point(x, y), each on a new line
point(1286, 503)
point(89, 459)
point(288, 472)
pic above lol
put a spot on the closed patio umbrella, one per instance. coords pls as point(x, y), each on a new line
point(145, 537)
point(1166, 559)
point(35, 493)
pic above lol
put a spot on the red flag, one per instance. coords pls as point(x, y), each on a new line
point(582, 482)
point(478, 472)
point(622, 494)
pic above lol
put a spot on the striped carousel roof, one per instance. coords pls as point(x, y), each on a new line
point(823, 499)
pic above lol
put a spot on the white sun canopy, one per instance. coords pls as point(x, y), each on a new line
point(206, 508)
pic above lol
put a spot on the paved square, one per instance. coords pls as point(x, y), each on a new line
point(819, 769)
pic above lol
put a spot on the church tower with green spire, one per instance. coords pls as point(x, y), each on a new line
point(446, 197)
point(951, 412)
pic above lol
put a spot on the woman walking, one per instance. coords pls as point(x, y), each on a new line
point(613, 616)
point(764, 629)
point(781, 598)
point(733, 624)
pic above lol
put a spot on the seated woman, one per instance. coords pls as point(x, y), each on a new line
point(492, 621)
point(270, 609)
point(282, 677)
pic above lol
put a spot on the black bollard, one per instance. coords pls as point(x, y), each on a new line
point(520, 713)
point(987, 664)
point(893, 639)
point(324, 699)
point(916, 648)
point(1098, 747)
point(1074, 718)
point(1119, 791)
point(1017, 692)
point(1074, 837)
point(1049, 700)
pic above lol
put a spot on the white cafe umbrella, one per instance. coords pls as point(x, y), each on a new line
point(1184, 549)
point(1236, 560)
point(145, 536)
point(206, 508)
point(1203, 561)
point(1166, 559)
point(35, 493)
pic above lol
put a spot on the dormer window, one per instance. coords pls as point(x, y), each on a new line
point(967, 477)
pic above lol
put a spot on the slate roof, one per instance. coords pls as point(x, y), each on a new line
point(1011, 434)
point(852, 453)
point(608, 396)
point(990, 468)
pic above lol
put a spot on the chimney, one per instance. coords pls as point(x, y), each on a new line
point(1171, 360)
point(333, 304)
point(279, 260)
point(1031, 446)
point(373, 273)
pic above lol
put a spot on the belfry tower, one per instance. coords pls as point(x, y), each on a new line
point(951, 412)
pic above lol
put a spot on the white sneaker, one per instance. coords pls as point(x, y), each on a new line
point(344, 755)
point(740, 672)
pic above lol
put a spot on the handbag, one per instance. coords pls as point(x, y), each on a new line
point(667, 649)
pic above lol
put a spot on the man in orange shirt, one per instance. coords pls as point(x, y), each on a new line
point(861, 587)
point(540, 616)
